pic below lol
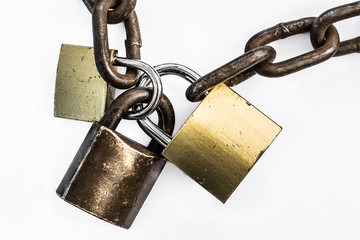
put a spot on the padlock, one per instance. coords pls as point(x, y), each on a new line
point(111, 175)
point(220, 142)
point(80, 92)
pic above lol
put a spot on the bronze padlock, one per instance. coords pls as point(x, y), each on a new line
point(111, 175)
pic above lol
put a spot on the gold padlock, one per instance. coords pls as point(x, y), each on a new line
point(220, 142)
point(80, 92)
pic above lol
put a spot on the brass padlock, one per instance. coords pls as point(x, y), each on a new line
point(80, 92)
point(111, 175)
point(220, 142)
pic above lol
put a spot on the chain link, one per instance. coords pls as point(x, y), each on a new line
point(121, 10)
point(133, 43)
point(325, 20)
point(236, 67)
point(257, 58)
point(324, 38)
point(284, 30)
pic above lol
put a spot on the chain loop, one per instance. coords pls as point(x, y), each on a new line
point(121, 12)
point(233, 69)
point(325, 20)
point(163, 70)
point(284, 30)
point(156, 82)
point(101, 46)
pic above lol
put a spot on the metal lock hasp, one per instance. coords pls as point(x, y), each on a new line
point(80, 92)
point(220, 142)
point(111, 175)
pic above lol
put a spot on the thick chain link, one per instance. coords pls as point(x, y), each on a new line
point(121, 11)
point(325, 20)
point(106, 12)
point(284, 30)
point(324, 38)
point(237, 68)
point(258, 58)
point(104, 64)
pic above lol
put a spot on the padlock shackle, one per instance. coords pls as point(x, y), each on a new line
point(170, 69)
point(155, 132)
point(146, 124)
point(156, 82)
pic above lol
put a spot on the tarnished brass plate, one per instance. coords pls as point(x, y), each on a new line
point(80, 92)
point(110, 176)
point(221, 141)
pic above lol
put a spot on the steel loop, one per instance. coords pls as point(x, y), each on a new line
point(121, 9)
point(157, 86)
point(168, 69)
point(101, 46)
point(284, 30)
point(231, 73)
point(171, 69)
point(165, 69)
point(325, 20)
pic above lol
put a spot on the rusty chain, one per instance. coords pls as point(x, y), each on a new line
point(324, 38)
point(121, 11)
point(258, 58)
point(325, 20)
point(106, 12)
point(284, 30)
point(235, 67)
point(103, 61)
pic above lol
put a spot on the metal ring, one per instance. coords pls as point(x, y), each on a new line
point(165, 69)
point(104, 62)
point(168, 69)
point(228, 71)
point(284, 30)
point(157, 86)
point(325, 20)
point(121, 12)
point(171, 69)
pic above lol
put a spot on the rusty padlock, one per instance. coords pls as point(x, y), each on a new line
point(111, 175)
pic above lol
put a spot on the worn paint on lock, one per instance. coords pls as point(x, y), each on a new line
point(221, 141)
point(80, 92)
point(111, 176)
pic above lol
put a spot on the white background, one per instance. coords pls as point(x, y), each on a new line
point(306, 186)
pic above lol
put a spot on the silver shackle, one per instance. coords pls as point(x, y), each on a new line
point(164, 69)
point(153, 77)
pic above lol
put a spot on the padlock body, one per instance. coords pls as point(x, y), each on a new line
point(80, 92)
point(110, 176)
point(221, 141)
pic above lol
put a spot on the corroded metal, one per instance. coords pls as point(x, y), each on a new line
point(284, 30)
point(80, 92)
point(229, 73)
point(325, 20)
point(101, 45)
point(111, 175)
point(121, 10)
